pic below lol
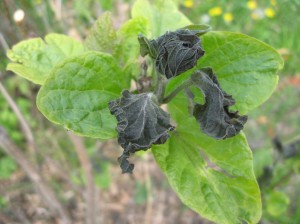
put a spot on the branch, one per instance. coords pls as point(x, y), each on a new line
point(65, 175)
point(87, 168)
point(47, 193)
point(24, 125)
point(3, 42)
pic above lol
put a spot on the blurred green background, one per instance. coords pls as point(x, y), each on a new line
point(273, 129)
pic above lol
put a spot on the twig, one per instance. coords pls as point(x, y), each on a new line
point(47, 193)
point(160, 208)
point(87, 168)
point(3, 43)
point(113, 207)
point(27, 131)
point(24, 125)
point(63, 174)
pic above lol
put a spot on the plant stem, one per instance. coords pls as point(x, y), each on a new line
point(154, 74)
point(183, 86)
point(160, 87)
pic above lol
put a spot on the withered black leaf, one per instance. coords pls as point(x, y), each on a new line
point(214, 116)
point(174, 52)
point(141, 123)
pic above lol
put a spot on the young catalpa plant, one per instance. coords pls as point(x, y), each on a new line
point(209, 80)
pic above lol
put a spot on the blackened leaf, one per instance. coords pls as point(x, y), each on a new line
point(147, 47)
point(141, 123)
point(174, 52)
point(214, 116)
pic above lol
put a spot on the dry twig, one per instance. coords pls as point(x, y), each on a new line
point(47, 193)
point(24, 125)
point(87, 168)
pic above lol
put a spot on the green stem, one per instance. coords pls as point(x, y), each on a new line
point(154, 74)
point(183, 86)
point(160, 87)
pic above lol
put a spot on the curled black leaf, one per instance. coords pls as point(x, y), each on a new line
point(214, 116)
point(141, 123)
point(174, 52)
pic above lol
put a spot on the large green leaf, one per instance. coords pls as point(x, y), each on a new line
point(102, 36)
point(77, 93)
point(245, 66)
point(213, 177)
point(163, 15)
point(33, 59)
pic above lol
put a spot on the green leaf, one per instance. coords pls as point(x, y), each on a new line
point(128, 36)
point(77, 93)
point(277, 203)
point(102, 36)
point(33, 59)
point(214, 178)
point(246, 67)
point(198, 29)
point(107, 4)
point(163, 15)
point(129, 49)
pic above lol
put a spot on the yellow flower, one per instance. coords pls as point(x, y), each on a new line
point(273, 2)
point(228, 17)
point(188, 3)
point(269, 12)
point(251, 4)
point(216, 11)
